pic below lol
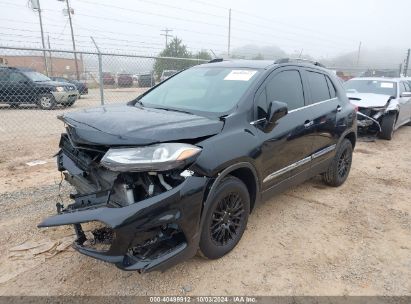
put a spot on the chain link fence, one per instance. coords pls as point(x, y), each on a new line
point(30, 101)
point(37, 85)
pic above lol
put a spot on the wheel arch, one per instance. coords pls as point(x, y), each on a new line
point(352, 137)
point(245, 172)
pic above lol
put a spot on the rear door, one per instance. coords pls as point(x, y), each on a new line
point(286, 149)
point(323, 105)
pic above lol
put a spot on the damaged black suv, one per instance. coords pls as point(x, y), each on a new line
point(180, 168)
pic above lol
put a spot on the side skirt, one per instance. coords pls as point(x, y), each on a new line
point(297, 179)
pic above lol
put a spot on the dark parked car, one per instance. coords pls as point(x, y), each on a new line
point(108, 79)
point(124, 80)
point(20, 85)
point(181, 167)
point(146, 80)
point(81, 86)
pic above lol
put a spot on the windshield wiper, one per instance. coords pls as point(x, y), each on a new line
point(174, 110)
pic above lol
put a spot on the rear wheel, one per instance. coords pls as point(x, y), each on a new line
point(226, 219)
point(46, 102)
point(340, 167)
point(387, 126)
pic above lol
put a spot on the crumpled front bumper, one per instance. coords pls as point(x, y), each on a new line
point(180, 206)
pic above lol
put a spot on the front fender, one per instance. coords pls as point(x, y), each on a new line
point(393, 105)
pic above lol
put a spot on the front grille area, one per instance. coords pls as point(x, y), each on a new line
point(69, 88)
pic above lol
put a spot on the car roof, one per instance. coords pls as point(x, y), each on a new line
point(392, 79)
point(240, 63)
point(22, 69)
point(263, 64)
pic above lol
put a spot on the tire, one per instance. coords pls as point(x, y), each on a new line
point(226, 219)
point(69, 104)
point(387, 126)
point(340, 166)
point(46, 102)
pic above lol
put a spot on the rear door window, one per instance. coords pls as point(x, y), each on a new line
point(318, 86)
point(286, 87)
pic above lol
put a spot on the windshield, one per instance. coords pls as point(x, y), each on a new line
point(215, 90)
point(37, 77)
point(382, 87)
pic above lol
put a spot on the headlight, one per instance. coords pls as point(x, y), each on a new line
point(59, 89)
point(159, 157)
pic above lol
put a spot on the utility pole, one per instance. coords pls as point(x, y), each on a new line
point(358, 55)
point(229, 32)
point(36, 5)
point(166, 31)
point(407, 62)
point(50, 60)
point(72, 39)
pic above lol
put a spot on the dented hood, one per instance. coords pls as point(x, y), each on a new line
point(131, 125)
point(368, 100)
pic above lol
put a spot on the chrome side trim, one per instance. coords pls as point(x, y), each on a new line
point(323, 151)
point(295, 110)
point(311, 105)
point(257, 121)
point(299, 163)
point(286, 169)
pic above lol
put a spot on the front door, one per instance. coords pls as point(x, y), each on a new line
point(286, 149)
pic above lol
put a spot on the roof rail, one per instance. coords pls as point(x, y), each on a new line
point(286, 60)
point(216, 60)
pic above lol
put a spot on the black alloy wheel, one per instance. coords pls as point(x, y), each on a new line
point(225, 219)
point(340, 166)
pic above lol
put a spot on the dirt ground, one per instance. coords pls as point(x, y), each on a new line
point(310, 240)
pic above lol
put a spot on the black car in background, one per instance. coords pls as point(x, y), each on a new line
point(180, 168)
point(146, 80)
point(26, 86)
point(81, 86)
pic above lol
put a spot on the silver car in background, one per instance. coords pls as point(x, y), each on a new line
point(384, 104)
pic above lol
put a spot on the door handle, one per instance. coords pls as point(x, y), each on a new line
point(308, 123)
point(339, 108)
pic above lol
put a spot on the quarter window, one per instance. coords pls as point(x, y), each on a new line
point(331, 87)
point(318, 86)
point(286, 87)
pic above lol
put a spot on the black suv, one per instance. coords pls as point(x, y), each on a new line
point(181, 167)
point(22, 86)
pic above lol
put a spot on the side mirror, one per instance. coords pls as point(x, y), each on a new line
point(276, 110)
point(406, 94)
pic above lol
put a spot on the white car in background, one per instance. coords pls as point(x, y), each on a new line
point(167, 73)
point(384, 104)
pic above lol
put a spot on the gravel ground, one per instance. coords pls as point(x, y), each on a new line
point(310, 240)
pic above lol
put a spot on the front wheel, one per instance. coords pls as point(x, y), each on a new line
point(226, 218)
point(46, 102)
point(387, 126)
point(340, 166)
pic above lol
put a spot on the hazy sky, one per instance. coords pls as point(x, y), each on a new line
point(322, 28)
